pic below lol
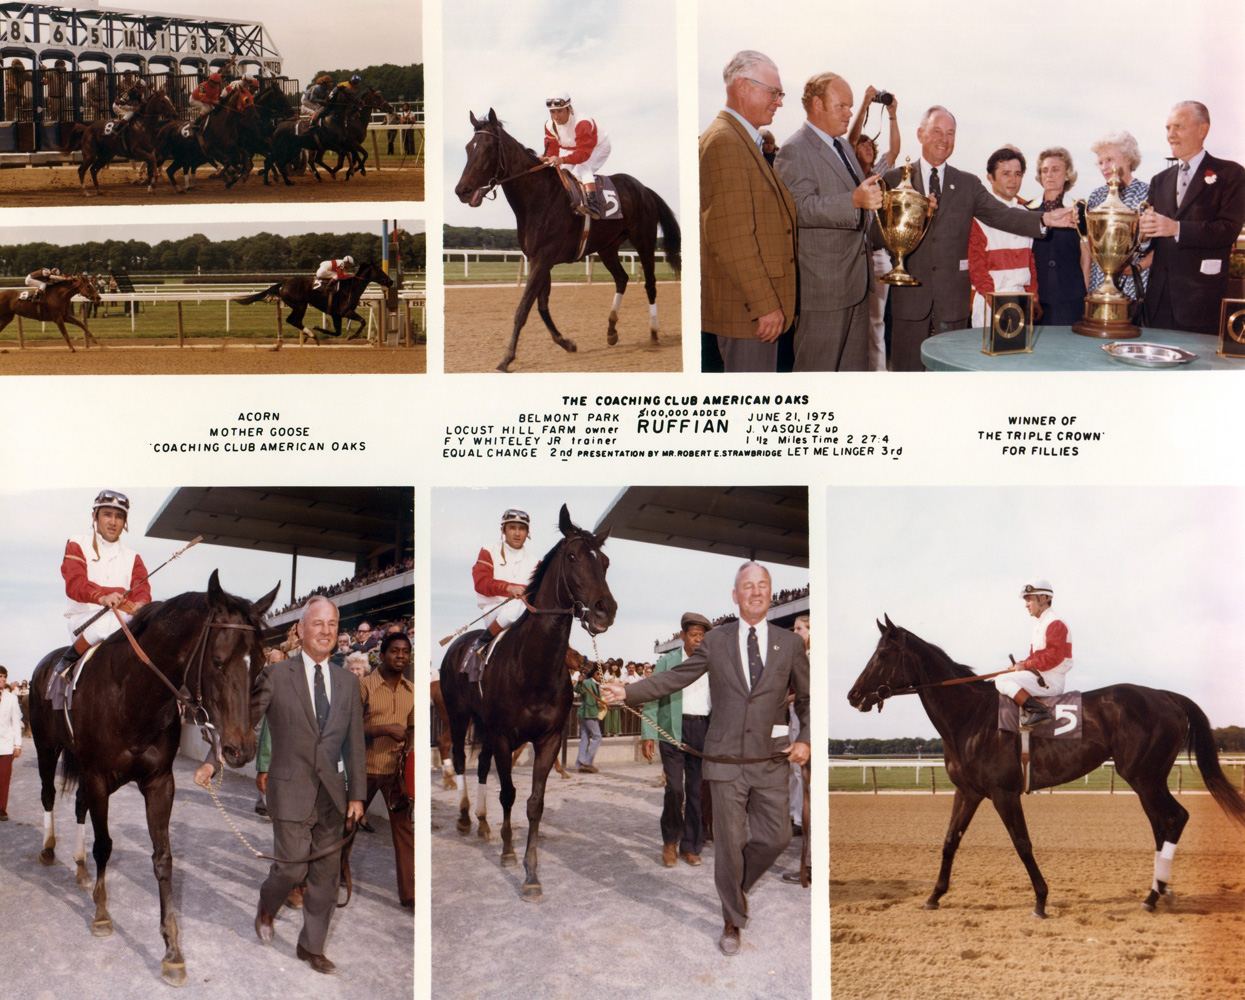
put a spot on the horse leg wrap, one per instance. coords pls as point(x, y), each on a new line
point(652, 316)
point(49, 828)
point(616, 306)
point(460, 782)
point(481, 797)
point(79, 850)
point(1163, 864)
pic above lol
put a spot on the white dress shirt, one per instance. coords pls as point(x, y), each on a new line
point(309, 665)
point(762, 628)
point(753, 131)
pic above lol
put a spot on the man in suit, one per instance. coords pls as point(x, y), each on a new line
point(1197, 209)
point(942, 300)
point(750, 664)
point(747, 224)
point(832, 207)
point(316, 778)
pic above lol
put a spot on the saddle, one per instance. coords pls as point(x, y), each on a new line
point(607, 196)
point(61, 684)
point(474, 663)
point(1066, 708)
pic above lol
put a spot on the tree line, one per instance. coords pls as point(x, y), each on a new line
point(396, 83)
point(475, 238)
point(192, 254)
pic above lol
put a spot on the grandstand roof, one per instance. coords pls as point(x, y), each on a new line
point(327, 522)
point(766, 523)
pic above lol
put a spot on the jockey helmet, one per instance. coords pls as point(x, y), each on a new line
point(348, 260)
point(55, 270)
point(356, 79)
point(113, 499)
point(1038, 586)
point(214, 76)
point(325, 78)
point(559, 100)
point(516, 516)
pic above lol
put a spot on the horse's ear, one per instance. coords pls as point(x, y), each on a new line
point(602, 536)
point(881, 627)
point(216, 595)
point(564, 521)
point(261, 606)
point(475, 122)
point(889, 624)
point(492, 117)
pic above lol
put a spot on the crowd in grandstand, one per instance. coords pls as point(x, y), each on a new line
point(352, 583)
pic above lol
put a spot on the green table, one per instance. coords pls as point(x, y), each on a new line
point(1058, 349)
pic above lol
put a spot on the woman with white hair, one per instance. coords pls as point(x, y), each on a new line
point(1119, 151)
point(1060, 255)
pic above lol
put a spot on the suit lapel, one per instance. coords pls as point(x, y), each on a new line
point(298, 678)
point(737, 663)
point(831, 157)
point(1197, 184)
point(761, 163)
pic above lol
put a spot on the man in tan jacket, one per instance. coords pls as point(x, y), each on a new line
point(747, 223)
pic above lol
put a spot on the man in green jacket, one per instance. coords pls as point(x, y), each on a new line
point(685, 716)
point(591, 710)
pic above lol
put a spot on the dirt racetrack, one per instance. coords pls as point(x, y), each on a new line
point(40, 187)
point(239, 358)
point(1097, 857)
point(478, 321)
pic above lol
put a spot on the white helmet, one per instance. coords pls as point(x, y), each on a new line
point(347, 259)
point(1038, 586)
point(560, 99)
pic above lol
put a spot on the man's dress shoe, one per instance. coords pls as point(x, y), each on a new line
point(728, 943)
point(317, 962)
point(263, 925)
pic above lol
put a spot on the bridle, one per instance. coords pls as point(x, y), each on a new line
point(884, 691)
point(578, 609)
point(490, 189)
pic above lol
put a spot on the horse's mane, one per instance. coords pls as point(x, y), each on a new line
point(498, 129)
point(192, 603)
point(922, 646)
point(543, 567)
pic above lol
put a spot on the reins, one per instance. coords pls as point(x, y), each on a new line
point(885, 691)
point(490, 189)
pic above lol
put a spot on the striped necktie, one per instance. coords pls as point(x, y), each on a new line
point(755, 663)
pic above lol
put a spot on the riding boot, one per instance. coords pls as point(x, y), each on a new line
point(487, 636)
point(1034, 713)
point(594, 205)
point(72, 655)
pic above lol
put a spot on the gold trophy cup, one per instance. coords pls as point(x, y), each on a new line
point(1114, 235)
point(903, 219)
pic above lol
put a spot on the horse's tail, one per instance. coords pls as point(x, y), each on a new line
point(74, 141)
point(673, 242)
point(1201, 743)
point(71, 771)
point(269, 293)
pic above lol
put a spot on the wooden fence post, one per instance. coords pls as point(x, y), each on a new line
point(181, 341)
point(873, 773)
point(21, 339)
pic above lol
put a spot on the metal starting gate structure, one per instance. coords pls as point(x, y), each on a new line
point(64, 65)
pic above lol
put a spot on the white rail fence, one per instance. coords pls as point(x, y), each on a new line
point(631, 257)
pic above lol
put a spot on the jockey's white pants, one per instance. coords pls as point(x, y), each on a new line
point(506, 614)
point(586, 171)
point(1026, 680)
point(199, 106)
point(36, 284)
point(97, 631)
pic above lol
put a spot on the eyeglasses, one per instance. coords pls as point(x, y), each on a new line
point(778, 94)
point(365, 630)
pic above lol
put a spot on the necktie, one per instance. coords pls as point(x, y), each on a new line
point(846, 162)
point(755, 665)
point(935, 186)
point(1182, 182)
point(322, 698)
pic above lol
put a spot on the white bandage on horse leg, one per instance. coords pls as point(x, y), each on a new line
point(652, 315)
point(1163, 863)
point(49, 827)
point(617, 304)
point(79, 850)
point(460, 783)
point(481, 797)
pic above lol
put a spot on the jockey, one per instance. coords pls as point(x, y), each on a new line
point(576, 146)
point(344, 92)
point(1050, 655)
point(314, 97)
point(503, 573)
point(41, 278)
point(98, 569)
point(331, 273)
point(245, 87)
point(206, 96)
point(130, 100)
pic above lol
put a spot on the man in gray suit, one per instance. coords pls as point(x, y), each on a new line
point(750, 664)
point(943, 299)
point(832, 212)
point(317, 776)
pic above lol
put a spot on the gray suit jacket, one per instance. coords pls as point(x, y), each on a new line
point(940, 263)
point(835, 269)
point(741, 721)
point(303, 758)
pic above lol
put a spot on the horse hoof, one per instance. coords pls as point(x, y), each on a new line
point(532, 892)
point(1039, 914)
point(47, 856)
point(463, 827)
point(611, 338)
point(449, 783)
point(483, 831)
point(101, 928)
point(570, 346)
point(504, 367)
point(82, 877)
point(173, 973)
point(1148, 907)
point(509, 860)
point(930, 906)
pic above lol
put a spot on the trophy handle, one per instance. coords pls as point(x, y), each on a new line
point(882, 185)
point(1141, 210)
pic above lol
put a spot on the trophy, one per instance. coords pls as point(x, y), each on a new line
point(1114, 232)
point(903, 219)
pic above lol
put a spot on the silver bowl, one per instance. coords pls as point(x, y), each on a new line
point(1144, 355)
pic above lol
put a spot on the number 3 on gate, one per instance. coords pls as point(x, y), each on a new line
point(1065, 718)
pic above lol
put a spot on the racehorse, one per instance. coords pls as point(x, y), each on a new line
point(54, 305)
point(525, 692)
point(550, 230)
point(301, 293)
point(1141, 728)
point(124, 726)
point(343, 127)
point(104, 140)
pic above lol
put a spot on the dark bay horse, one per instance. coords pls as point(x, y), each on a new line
point(342, 129)
point(54, 305)
point(1141, 728)
point(104, 140)
point(300, 294)
point(525, 691)
point(126, 727)
point(550, 231)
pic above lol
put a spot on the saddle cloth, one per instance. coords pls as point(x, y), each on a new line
point(473, 663)
point(61, 688)
point(607, 195)
point(27, 294)
point(301, 127)
point(1067, 724)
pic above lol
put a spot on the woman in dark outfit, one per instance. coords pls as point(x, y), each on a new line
point(1060, 274)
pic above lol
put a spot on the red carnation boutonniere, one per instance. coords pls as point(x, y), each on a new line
point(1210, 177)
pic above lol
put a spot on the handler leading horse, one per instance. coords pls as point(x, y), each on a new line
point(54, 305)
point(550, 231)
point(125, 726)
point(1141, 728)
point(525, 691)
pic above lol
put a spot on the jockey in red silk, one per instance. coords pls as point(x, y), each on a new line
point(98, 569)
point(577, 146)
point(331, 273)
point(1050, 655)
point(504, 571)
